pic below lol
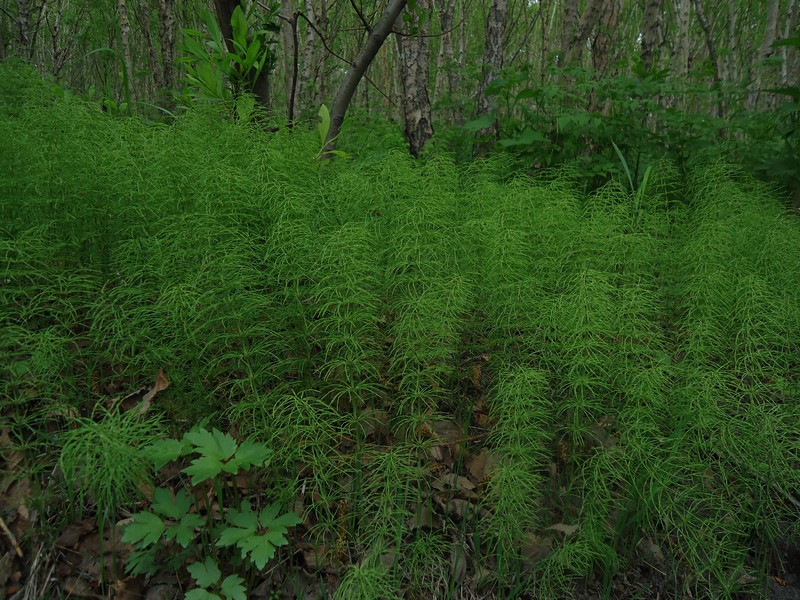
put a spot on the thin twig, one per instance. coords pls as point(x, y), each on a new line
point(11, 537)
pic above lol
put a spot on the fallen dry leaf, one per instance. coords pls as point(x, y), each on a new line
point(451, 481)
point(424, 517)
point(536, 547)
point(458, 507)
point(565, 529)
point(73, 533)
point(483, 464)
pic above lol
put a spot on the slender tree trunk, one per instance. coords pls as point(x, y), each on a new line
point(167, 37)
point(446, 57)
point(681, 57)
point(261, 85)
point(788, 67)
point(124, 30)
point(589, 20)
point(287, 33)
point(348, 87)
point(415, 66)
point(651, 32)
point(732, 68)
point(606, 35)
point(544, 6)
point(764, 51)
point(712, 53)
point(569, 29)
point(492, 64)
point(29, 15)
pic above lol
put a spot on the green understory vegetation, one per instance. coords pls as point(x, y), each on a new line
point(627, 360)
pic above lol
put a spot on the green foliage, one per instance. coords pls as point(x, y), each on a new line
point(175, 517)
point(216, 74)
point(626, 359)
point(576, 119)
point(104, 459)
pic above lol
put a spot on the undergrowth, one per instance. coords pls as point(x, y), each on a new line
point(628, 371)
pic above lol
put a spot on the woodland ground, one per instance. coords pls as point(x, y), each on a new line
point(464, 383)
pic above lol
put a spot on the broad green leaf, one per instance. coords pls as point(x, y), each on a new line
point(526, 93)
point(259, 548)
point(165, 451)
point(245, 517)
point(146, 528)
point(497, 86)
point(233, 588)
point(200, 594)
point(233, 536)
point(215, 447)
point(288, 520)
point(206, 573)
point(252, 54)
point(183, 531)
point(173, 507)
point(478, 124)
point(143, 562)
point(239, 26)
point(268, 514)
point(526, 138)
point(624, 164)
point(249, 454)
point(325, 123)
point(790, 41)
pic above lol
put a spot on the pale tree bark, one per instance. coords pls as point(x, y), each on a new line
point(732, 64)
point(63, 38)
point(312, 80)
point(651, 32)
point(547, 7)
point(377, 36)
point(764, 51)
point(492, 64)
point(446, 56)
point(789, 63)
point(127, 58)
point(414, 66)
point(681, 56)
point(288, 28)
point(29, 17)
point(588, 21)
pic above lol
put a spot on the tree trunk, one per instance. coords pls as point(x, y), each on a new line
point(589, 19)
point(260, 86)
point(606, 35)
point(124, 31)
point(712, 53)
point(681, 57)
point(348, 87)
point(569, 29)
point(732, 64)
point(414, 67)
point(651, 32)
point(446, 57)
point(287, 33)
point(764, 51)
point(492, 64)
point(166, 35)
point(788, 70)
